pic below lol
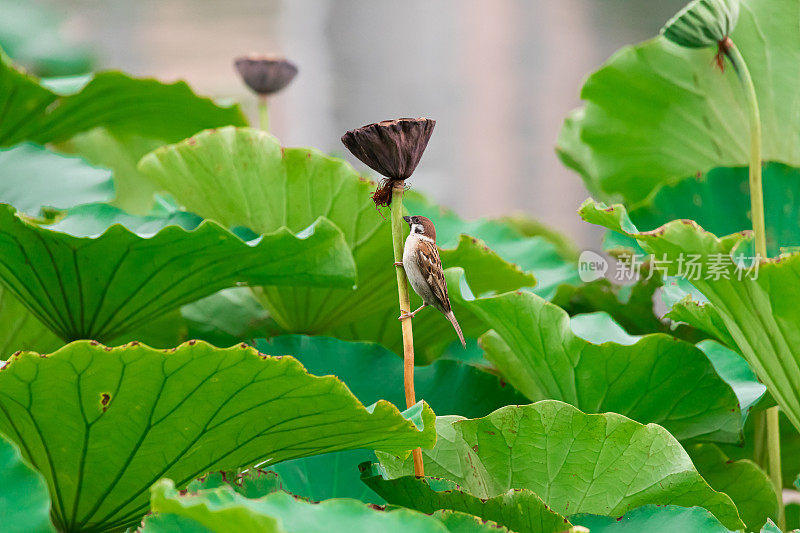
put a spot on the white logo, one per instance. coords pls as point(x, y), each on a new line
point(591, 266)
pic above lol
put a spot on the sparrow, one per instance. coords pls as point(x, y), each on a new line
point(424, 270)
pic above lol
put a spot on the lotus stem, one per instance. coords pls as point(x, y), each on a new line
point(756, 189)
point(263, 112)
point(774, 444)
point(405, 307)
point(760, 438)
point(759, 231)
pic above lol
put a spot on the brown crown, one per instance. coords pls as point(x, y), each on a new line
point(427, 226)
point(392, 148)
point(266, 74)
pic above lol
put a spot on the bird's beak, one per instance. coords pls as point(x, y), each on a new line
point(408, 220)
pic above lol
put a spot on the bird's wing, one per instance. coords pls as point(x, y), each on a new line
point(431, 268)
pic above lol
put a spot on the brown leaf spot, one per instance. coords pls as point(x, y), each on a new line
point(105, 399)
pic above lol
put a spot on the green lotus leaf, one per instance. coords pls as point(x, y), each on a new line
point(457, 522)
point(661, 518)
point(748, 486)
point(719, 200)
point(688, 305)
point(33, 178)
point(104, 286)
point(790, 449)
point(21, 97)
point(702, 23)
point(92, 220)
point(518, 510)
point(691, 307)
point(603, 464)
point(657, 112)
point(227, 317)
point(252, 483)
point(478, 260)
point(103, 424)
point(372, 372)
point(732, 367)
point(214, 510)
point(166, 331)
point(20, 330)
point(120, 153)
point(319, 477)
point(577, 155)
point(792, 511)
point(144, 107)
point(630, 305)
point(759, 314)
point(329, 475)
point(223, 510)
point(530, 227)
point(675, 237)
point(172, 523)
point(591, 363)
point(454, 522)
point(770, 527)
point(449, 387)
point(243, 177)
point(256, 483)
point(24, 501)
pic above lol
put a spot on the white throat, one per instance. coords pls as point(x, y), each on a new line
point(420, 236)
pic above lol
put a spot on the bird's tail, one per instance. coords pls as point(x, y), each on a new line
point(452, 318)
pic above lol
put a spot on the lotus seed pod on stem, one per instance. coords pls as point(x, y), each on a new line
point(393, 148)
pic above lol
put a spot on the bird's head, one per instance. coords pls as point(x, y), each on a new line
point(421, 226)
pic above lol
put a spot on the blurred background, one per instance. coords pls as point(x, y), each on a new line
point(499, 76)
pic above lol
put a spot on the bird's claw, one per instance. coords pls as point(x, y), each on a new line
point(398, 263)
point(405, 315)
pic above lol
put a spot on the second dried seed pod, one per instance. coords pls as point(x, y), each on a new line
point(265, 75)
